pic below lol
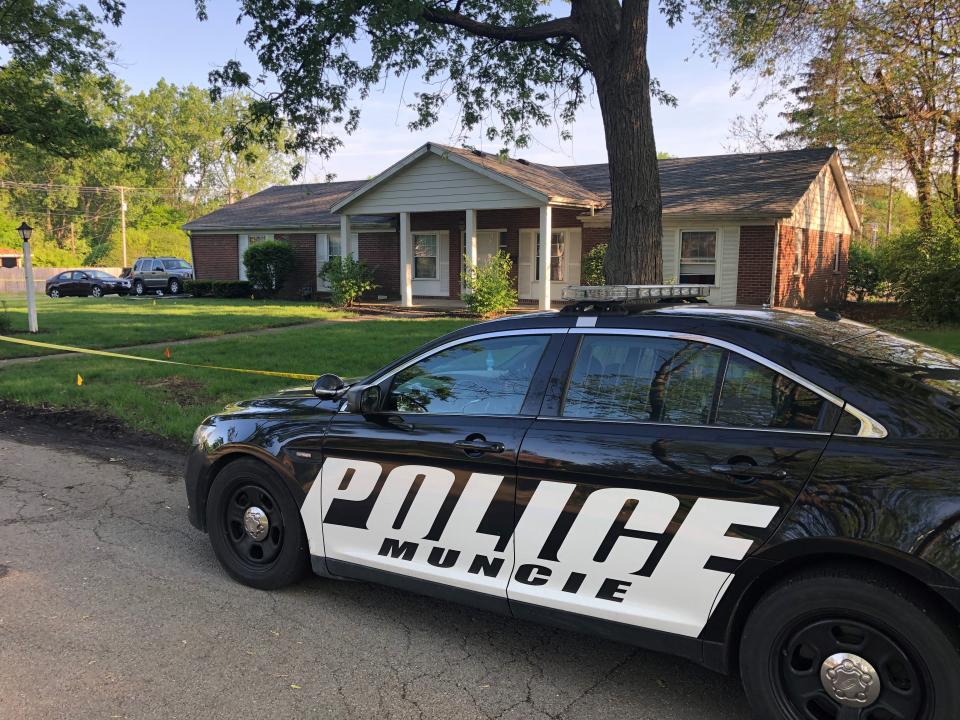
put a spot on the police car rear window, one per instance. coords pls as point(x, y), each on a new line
point(932, 367)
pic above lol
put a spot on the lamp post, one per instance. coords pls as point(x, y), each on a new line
point(25, 232)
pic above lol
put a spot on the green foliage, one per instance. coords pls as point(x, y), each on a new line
point(218, 288)
point(348, 279)
point(268, 265)
point(489, 287)
point(177, 163)
point(864, 271)
point(591, 271)
point(53, 50)
point(924, 271)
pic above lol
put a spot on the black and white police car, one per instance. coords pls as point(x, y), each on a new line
point(757, 490)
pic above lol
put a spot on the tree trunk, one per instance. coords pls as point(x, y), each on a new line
point(955, 175)
point(616, 48)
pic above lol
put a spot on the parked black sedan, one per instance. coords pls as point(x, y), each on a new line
point(95, 283)
point(758, 491)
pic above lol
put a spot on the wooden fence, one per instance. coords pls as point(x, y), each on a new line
point(12, 280)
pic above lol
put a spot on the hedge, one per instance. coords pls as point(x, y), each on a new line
point(218, 288)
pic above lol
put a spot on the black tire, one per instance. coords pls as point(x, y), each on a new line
point(174, 286)
point(797, 625)
point(282, 557)
point(96, 291)
point(138, 288)
point(54, 293)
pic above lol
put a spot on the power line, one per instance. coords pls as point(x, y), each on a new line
point(49, 187)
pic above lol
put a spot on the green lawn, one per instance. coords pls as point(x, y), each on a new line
point(171, 401)
point(115, 321)
point(945, 337)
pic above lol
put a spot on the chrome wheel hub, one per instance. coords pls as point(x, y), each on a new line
point(850, 680)
point(255, 523)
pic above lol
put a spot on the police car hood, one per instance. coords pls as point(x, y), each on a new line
point(286, 400)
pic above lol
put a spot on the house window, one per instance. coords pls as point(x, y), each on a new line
point(245, 241)
point(836, 253)
point(698, 257)
point(557, 246)
point(798, 258)
point(425, 257)
point(328, 247)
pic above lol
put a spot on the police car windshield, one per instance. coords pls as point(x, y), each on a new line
point(923, 363)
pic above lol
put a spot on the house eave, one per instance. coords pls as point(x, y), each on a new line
point(310, 227)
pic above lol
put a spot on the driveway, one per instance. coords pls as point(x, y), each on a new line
point(112, 606)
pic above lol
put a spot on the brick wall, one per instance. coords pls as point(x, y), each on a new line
point(593, 236)
point(449, 221)
point(304, 273)
point(380, 251)
point(215, 257)
point(755, 264)
point(818, 284)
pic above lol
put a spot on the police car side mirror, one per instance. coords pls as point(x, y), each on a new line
point(364, 399)
point(328, 386)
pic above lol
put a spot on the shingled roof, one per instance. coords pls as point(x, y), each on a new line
point(746, 184)
point(285, 207)
point(743, 184)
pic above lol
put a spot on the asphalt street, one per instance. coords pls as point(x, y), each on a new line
point(113, 606)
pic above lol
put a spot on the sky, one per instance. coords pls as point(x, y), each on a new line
point(163, 39)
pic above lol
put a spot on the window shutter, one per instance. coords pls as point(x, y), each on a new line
point(243, 242)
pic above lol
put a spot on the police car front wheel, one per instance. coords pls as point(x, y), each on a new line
point(254, 526)
point(835, 644)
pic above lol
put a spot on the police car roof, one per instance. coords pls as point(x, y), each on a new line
point(683, 316)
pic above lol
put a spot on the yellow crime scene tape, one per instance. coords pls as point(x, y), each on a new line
point(123, 356)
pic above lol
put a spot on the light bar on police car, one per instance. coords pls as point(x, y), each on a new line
point(634, 292)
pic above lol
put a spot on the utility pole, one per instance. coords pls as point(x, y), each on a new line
point(123, 224)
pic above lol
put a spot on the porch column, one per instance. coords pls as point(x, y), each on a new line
point(546, 238)
point(406, 261)
point(345, 238)
point(470, 232)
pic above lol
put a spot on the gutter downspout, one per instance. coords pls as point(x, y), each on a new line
point(776, 260)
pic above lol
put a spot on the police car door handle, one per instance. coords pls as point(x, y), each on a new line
point(746, 470)
point(476, 446)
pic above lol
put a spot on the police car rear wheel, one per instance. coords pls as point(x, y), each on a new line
point(842, 645)
point(255, 528)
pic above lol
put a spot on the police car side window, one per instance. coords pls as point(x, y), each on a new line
point(753, 395)
point(482, 377)
point(643, 379)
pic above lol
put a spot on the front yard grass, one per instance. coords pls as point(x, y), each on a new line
point(171, 401)
point(945, 337)
point(118, 321)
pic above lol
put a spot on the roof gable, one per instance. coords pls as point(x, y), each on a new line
point(535, 184)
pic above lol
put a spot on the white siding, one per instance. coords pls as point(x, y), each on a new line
point(435, 183)
point(821, 207)
point(729, 264)
point(671, 254)
point(728, 257)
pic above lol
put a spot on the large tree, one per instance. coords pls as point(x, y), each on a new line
point(51, 49)
point(879, 78)
point(509, 66)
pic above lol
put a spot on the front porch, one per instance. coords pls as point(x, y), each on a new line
point(456, 208)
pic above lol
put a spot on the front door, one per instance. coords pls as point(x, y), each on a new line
point(424, 489)
point(655, 467)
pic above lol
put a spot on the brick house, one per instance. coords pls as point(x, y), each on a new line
point(758, 228)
